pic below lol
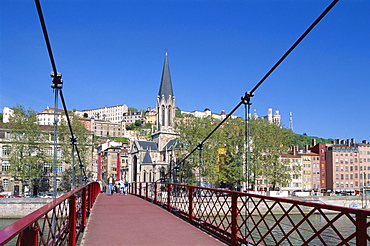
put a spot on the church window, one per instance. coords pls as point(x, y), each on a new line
point(169, 116)
point(163, 116)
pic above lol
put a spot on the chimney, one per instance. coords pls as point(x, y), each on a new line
point(313, 141)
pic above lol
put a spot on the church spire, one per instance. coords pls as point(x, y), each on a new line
point(166, 107)
point(165, 88)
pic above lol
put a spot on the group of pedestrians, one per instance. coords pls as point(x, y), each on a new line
point(121, 186)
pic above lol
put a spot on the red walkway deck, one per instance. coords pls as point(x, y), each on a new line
point(129, 220)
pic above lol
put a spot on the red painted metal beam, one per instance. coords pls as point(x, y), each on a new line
point(99, 166)
point(72, 220)
point(118, 167)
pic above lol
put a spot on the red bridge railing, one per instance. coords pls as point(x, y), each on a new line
point(58, 223)
point(250, 219)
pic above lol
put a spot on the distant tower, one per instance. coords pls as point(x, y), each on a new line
point(269, 115)
point(276, 118)
point(291, 121)
point(166, 106)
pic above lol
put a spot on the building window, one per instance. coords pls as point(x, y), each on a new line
point(6, 150)
point(5, 183)
point(163, 116)
point(5, 166)
point(59, 168)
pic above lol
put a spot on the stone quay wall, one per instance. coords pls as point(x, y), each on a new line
point(14, 208)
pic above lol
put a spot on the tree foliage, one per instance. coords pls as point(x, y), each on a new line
point(268, 143)
point(224, 154)
point(132, 109)
point(84, 145)
point(30, 155)
point(226, 141)
point(302, 140)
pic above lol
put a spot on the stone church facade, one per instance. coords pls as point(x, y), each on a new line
point(152, 160)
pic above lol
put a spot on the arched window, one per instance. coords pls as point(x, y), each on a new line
point(163, 116)
point(169, 116)
point(145, 176)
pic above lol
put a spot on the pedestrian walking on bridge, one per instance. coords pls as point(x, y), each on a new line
point(110, 182)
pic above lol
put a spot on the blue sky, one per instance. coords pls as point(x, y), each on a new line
point(112, 52)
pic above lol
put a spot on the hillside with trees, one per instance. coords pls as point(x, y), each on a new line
point(223, 155)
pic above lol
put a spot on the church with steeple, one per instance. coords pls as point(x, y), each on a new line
point(152, 159)
point(166, 106)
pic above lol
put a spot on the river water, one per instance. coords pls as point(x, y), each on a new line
point(6, 222)
point(344, 226)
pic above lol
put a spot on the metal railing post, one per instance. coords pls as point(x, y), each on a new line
point(361, 229)
point(30, 236)
point(191, 195)
point(234, 219)
point(169, 196)
point(146, 191)
point(155, 193)
point(84, 207)
point(89, 198)
point(72, 220)
point(140, 187)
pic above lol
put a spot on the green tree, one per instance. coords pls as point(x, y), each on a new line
point(84, 145)
point(302, 140)
point(132, 109)
point(268, 143)
point(229, 138)
point(177, 112)
point(138, 123)
point(30, 155)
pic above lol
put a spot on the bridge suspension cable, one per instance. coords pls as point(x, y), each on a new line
point(57, 86)
point(249, 94)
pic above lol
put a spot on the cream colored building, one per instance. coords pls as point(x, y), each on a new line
point(207, 112)
point(112, 114)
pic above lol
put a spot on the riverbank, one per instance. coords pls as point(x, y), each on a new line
point(20, 207)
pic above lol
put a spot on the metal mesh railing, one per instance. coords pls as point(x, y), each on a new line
point(58, 223)
point(250, 219)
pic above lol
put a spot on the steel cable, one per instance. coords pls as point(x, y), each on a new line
point(249, 94)
point(57, 81)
